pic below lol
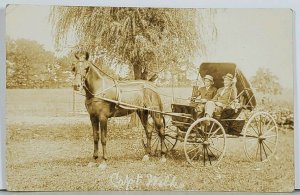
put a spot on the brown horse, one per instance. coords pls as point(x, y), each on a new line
point(101, 88)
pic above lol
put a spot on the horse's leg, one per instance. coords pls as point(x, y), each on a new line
point(143, 115)
point(95, 125)
point(160, 128)
point(103, 126)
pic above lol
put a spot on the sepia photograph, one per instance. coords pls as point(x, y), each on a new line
point(149, 99)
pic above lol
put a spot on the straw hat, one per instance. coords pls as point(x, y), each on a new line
point(209, 78)
point(228, 76)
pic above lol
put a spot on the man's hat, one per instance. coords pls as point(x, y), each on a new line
point(209, 78)
point(228, 76)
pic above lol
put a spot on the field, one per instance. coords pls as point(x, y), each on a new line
point(50, 148)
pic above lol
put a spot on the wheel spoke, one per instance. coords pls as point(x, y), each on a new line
point(253, 129)
point(260, 128)
point(270, 142)
point(266, 133)
point(215, 132)
point(216, 149)
point(166, 145)
point(250, 135)
point(260, 151)
point(268, 124)
point(154, 142)
point(257, 124)
point(256, 151)
point(211, 129)
point(208, 156)
point(212, 152)
point(264, 121)
point(156, 147)
point(194, 149)
point(270, 136)
point(169, 141)
point(267, 147)
point(264, 150)
point(205, 150)
point(195, 154)
point(197, 133)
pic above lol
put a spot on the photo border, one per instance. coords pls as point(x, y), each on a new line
point(291, 4)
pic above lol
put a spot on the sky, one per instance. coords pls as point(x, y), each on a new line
point(251, 38)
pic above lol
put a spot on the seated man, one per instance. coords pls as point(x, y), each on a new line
point(223, 98)
point(204, 94)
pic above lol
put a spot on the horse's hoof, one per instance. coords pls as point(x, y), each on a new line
point(92, 164)
point(103, 166)
point(163, 159)
point(146, 157)
point(95, 156)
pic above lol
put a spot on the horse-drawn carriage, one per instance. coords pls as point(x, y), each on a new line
point(205, 138)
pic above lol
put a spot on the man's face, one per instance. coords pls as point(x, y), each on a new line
point(227, 82)
point(207, 82)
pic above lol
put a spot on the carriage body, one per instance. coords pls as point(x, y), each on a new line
point(232, 118)
point(205, 138)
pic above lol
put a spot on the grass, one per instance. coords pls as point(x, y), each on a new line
point(49, 148)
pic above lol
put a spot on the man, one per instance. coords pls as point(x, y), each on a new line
point(204, 94)
point(223, 98)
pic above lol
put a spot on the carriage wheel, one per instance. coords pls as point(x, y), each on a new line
point(205, 142)
point(170, 141)
point(260, 137)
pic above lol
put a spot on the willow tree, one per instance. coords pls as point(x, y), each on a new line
point(147, 39)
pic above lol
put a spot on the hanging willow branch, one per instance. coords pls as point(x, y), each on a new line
point(140, 37)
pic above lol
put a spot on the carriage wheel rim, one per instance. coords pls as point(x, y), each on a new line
point(262, 147)
point(220, 156)
point(156, 142)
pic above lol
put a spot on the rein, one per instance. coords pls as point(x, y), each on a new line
point(101, 93)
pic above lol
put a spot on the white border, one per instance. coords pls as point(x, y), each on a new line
point(292, 4)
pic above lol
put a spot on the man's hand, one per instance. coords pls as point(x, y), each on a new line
point(203, 100)
point(219, 104)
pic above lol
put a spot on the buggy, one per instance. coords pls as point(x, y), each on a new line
point(205, 138)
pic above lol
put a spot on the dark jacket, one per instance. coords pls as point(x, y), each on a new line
point(208, 94)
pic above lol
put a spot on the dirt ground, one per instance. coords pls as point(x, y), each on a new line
point(53, 151)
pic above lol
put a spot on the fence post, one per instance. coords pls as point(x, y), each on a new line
point(74, 101)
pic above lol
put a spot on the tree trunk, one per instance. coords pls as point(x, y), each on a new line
point(139, 74)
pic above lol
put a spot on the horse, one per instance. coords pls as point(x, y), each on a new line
point(106, 98)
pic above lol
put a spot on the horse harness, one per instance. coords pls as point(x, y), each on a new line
point(100, 96)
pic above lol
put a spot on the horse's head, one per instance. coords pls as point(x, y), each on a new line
point(80, 69)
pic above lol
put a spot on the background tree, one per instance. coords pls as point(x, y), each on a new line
point(28, 64)
point(147, 39)
point(267, 83)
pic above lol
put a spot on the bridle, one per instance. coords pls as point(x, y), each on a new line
point(83, 78)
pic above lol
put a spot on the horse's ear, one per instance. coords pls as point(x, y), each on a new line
point(87, 55)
